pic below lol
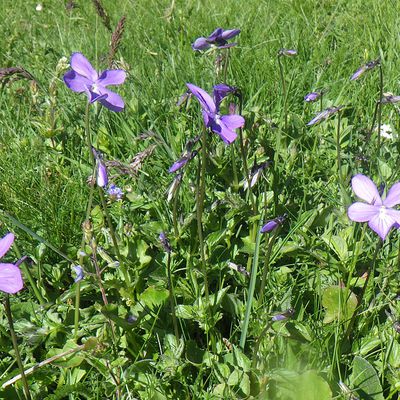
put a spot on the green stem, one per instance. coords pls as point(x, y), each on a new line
point(320, 102)
point(284, 94)
point(244, 158)
point(109, 223)
point(226, 63)
point(175, 215)
point(235, 177)
point(252, 285)
point(363, 291)
point(172, 296)
point(28, 274)
point(15, 344)
point(199, 209)
point(338, 155)
point(257, 345)
point(266, 264)
point(380, 106)
point(201, 185)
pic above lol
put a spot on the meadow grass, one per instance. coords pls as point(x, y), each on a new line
point(126, 345)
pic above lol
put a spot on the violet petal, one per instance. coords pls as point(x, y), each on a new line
point(207, 103)
point(362, 212)
point(365, 189)
point(5, 243)
point(81, 65)
point(201, 44)
point(113, 101)
point(10, 278)
point(76, 82)
point(112, 77)
point(393, 196)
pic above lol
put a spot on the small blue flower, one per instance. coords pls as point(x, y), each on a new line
point(115, 192)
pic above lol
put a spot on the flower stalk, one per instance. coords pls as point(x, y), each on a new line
point(15, 345)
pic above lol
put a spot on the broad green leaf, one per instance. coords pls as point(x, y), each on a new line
point(154, 296)
point(340, 303)
point(364, 379)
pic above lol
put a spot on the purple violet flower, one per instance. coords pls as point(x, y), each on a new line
point(173, 188)
point(313, 96)
point(84, 78)
point(390, 98)
point(10, 275)
point(284, 315)
point(217, 39)
point(224, 125)
point(79, 273)
point(181, 162)
point(366, 67)
point(325, 114)
point(255, 173)
point(115, 192)
point(165, 242)
point(380, 214)
point(273, 224)
point(287, 52)
point(102, 176)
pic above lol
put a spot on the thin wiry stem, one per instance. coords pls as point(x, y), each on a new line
point(15, 344)
point(172, 295)
point(370, 272)
point(338, 152)
point(252, 285)
point(380, 105)
point(270, 245)
point(284, 93)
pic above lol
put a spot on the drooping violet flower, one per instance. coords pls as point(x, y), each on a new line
point(284, 315)
point(390, 98)
point(165, 242)
point(219, 39)
point(273, 224)
point(255, 173)
point(380, 214)
point(84, 78)
point(173, 188)
point(287, 52)
point(181, 162)
point(114, 192)
point(222, 90)
point(224, 125)
point(239, 268)
point(325, 114)
point(10, 275)
point(101, 169)
point(366, 67)
point(102, 176)
point(79, 273)
point(313, 96)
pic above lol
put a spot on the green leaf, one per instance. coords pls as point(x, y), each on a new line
point(154, 296)
point(306, 386)
point(364, 379)
point(340, 303)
